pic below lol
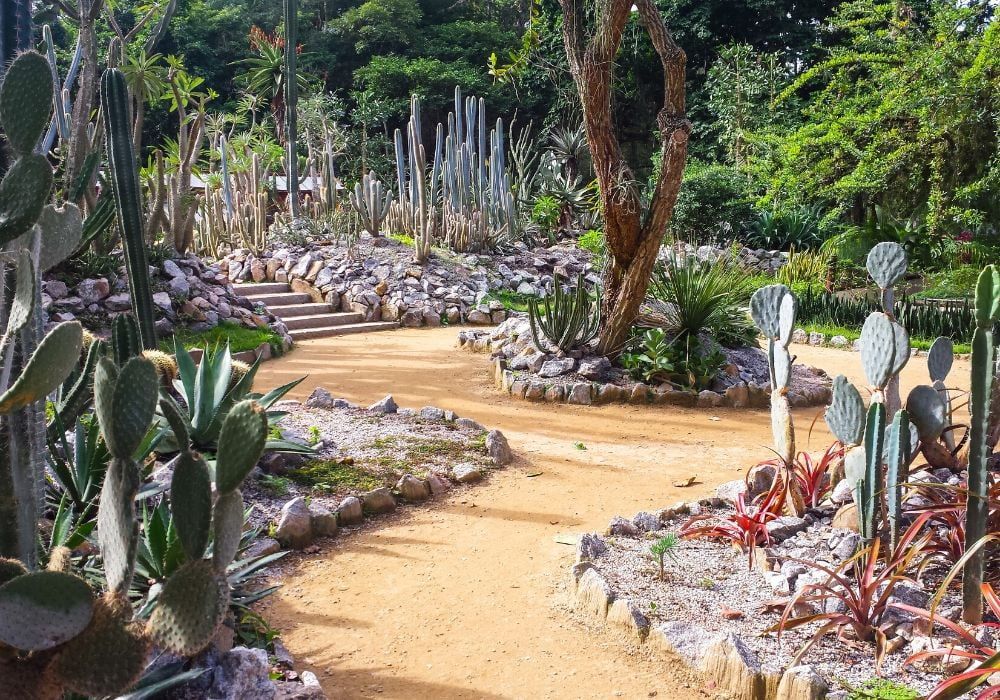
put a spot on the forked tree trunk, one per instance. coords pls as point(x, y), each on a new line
point(633, 235)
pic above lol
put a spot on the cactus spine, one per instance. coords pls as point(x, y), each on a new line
point(291, 106)
point(128, 198)
point(983, 359)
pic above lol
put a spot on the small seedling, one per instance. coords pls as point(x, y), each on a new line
point(881, 689)
point(314, 436)
point(665, 547)
point(707, 583)
point(579, 446)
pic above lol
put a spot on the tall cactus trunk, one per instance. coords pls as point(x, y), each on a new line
point(291, 107)
point(977, 511)
point(128, 196)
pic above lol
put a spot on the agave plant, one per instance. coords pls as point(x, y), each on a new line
point(209, 390)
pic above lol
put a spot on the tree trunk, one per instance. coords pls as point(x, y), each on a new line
point(632, 236)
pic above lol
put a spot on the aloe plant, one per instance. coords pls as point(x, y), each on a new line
point(566, 320)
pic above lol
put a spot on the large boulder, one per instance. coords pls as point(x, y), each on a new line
point(294, 529)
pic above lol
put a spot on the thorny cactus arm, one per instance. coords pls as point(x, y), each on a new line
point(983, 366)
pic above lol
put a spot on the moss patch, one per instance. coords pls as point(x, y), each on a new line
point(239, 338)
point(334, 475)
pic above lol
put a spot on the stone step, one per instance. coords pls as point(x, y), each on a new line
point(287, 311)
point(329, 331)
point(340, 318)
point(245, 290)
point(281, 299)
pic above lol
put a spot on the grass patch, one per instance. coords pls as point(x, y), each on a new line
point(853, 334)
point(240, 338)
point(405, 452)
point(334, 475)
point(512, 301)
point(402, 238)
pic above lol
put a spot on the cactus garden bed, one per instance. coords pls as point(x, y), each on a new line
point(581, 378)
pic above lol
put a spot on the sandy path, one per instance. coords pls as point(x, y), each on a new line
point(466, 598)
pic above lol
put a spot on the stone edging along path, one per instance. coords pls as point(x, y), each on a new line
point(724, 661)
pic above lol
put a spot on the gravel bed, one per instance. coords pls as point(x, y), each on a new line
point(706, 578)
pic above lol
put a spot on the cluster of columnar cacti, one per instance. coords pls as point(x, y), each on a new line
point(57, 633)
point(416, 212)
point(980, 395)
point(235, 213)
point(466, 200)
point(773, 310)
point(565, 319)
point(371, 200)
point(128, 199)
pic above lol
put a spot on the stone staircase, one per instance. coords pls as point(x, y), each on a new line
point(304, 317)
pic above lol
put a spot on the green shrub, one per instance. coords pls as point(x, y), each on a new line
point(593, 241)
point(655, 356)
point(797, 228)
point(714, 204)
point(955, 283)
point(239, 338)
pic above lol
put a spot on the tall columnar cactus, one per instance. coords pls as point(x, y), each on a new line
point(416, 211)
point(983, 377)
point(371, 200)
point(773, 309)
point(291, 106)
point(128, 199)
point(15, 30)
point(36, 236)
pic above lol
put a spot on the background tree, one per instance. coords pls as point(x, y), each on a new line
point(633, 232)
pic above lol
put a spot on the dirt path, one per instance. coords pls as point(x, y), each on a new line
point(466, 598)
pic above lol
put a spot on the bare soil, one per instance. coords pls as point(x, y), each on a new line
point(466, 597)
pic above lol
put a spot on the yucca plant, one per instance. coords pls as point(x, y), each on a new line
point(699, 297)
point(566, 320)
point(208, 391)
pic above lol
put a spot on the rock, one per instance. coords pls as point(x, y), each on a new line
point(118, 302)
point(847, 546)
point(580, 395)
point(842, 493)
point(179, 287)
point(386, 405)
point(466, 473)
point(242, 673)
point(801, 683)
point(554, 394)
point(847, 517)
point(759, 479)
point(557, 367)
point(621, 527)
point(498, 448)
point(262, 547)
point(627, 618)
point(709, 399)
point(294, 529)
point(738, 395)
point(681, 637)
point(594, 368)
point(413, 489)
point(799, 335)
point(162, 300)
point(734, 668)
point(93, 291)
point(839, 341)
point(172, 269)
point(731, 490)
point(290, 690)
point(589, 547)
point(468, 424)
point(816, 338)
point(593, 594)
point(432, 413)
point(378, 501)
point(56, 289)
point(438, 484)
point(647, 522)
point(282, 656)
point(320, 398)
point(322, 521)
point(785, 526)
point(350, 511)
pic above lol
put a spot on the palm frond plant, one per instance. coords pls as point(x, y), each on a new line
point(570, 148)
point(699, 297)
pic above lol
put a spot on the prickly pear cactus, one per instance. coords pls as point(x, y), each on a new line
point(887, 264)
point(846, 414)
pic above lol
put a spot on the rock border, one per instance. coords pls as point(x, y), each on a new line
point(840, 342)
point(722, 658)
point(300, 522)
